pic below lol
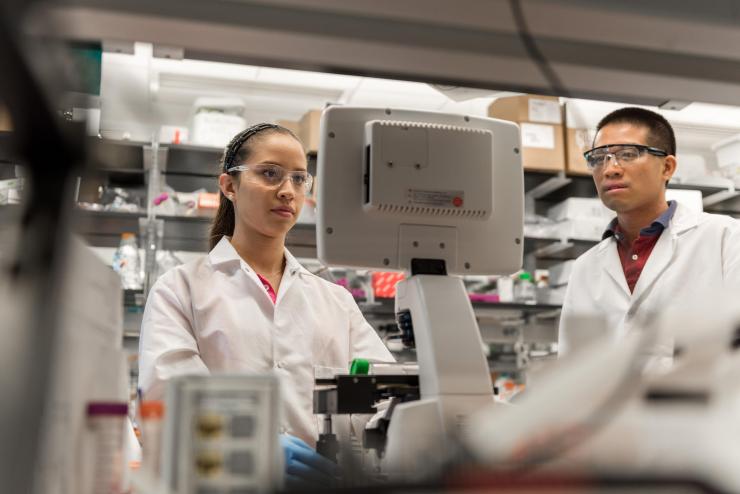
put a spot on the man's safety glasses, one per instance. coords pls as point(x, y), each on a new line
point(275, 176)
point(622, 153)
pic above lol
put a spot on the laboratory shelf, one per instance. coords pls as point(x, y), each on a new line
point(549, 188)
point(549, 251)
point(188, 167)
point(190, 233)
point(380, 310)
point(385, 306)
point(186, 233)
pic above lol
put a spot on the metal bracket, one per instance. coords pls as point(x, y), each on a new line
point(161, 163)
point(550, 185)
point(720, 196)
point(554, 248)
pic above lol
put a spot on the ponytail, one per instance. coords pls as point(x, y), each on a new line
point(224, 222)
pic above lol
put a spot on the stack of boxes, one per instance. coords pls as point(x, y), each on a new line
point(540, 120)
point(307, 129)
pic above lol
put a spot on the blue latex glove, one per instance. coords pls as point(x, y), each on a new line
point(304, 466)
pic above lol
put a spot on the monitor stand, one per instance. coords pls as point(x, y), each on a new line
point(454, 377)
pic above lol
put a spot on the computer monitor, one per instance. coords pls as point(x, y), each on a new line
point(396, 185)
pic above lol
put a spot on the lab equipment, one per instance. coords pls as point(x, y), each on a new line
point(88, 366)
point(216, 120)
point(505, 287)
point(152, 415)
point(432, 194)
point(611, 408)
point(104, 448)
point(127, 263)
point(221, 434)
point(525, 289)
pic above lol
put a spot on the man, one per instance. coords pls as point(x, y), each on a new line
point(655, 255)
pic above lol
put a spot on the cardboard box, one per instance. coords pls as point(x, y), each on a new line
point(5, 122)
point(291, 125)
point(308, 130)
point(577, 142)
point(540, 122)
point(529, 108)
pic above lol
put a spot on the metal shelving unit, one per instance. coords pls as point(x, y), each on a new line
point(190, 167)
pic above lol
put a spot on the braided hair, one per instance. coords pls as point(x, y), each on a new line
point(236, 152)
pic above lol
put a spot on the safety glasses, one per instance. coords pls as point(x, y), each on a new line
point(275, 176)
point(623, 154)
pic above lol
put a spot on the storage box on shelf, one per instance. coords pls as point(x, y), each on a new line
point(291, 125)
point(577, 142)
point(540, 121)
point(308, 130)
point(580, 207)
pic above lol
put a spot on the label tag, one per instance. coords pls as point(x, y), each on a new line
point(538, 136)
point(544, 111)
point(437, 198)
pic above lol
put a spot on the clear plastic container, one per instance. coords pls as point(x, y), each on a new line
point(126, 262)
point(524, 292)
point(105, 447)
point(505, 286)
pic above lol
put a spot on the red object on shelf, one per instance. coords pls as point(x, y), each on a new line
point(384, 283)
point(207, 200)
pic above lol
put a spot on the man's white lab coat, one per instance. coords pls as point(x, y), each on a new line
point(214, 315)
point(696, 254)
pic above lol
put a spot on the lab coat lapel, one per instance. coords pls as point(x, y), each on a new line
point(660, 258)
point(609, 260)
point(664, 251)
point(293, 270)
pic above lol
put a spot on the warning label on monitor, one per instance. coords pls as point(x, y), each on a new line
point(437, 198)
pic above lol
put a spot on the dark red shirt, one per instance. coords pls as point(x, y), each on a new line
point(633, 257)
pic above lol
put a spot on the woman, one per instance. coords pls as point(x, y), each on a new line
point(249, 306)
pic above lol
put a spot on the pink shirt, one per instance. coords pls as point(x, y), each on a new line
point(268, 287)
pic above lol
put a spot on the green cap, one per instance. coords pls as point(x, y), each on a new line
point(360, 366)
point(525, 275)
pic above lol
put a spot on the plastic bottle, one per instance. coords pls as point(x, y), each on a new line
point(152, 414)
point(505, 286)
point(104, 447)
point(525, 289)
point(126, 262)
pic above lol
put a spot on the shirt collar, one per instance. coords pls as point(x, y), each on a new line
point(656, 227)
point(224, 253)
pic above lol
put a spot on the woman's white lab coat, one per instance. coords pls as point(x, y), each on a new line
point(214, 315)
point(697, 253)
